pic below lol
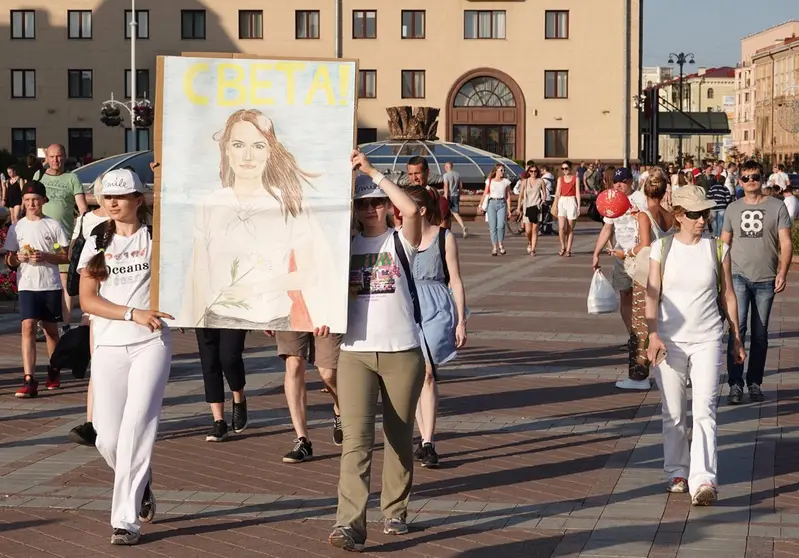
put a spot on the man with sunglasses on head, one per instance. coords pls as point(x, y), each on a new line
point(758, 229)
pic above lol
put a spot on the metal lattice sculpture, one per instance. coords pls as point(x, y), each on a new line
point(788, 112)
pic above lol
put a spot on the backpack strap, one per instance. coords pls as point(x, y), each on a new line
point(442, 250)
point(667, 242)
point(417, 309)
point(718, 254)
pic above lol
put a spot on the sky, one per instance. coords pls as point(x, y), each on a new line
point(711, 29)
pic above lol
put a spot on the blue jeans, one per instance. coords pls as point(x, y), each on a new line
point(759, 296)
point(497, 213)
point(717, 219)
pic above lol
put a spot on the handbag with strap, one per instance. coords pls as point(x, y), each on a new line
point(73, 277)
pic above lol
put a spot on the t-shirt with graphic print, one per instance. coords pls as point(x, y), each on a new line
point(128, 284)
point(380, 314)
point(61, 192)
point(755, 237)
point(41, 235)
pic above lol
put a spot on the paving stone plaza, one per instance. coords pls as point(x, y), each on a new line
point(541, 454)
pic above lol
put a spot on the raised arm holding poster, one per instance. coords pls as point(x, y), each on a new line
point(252, 223)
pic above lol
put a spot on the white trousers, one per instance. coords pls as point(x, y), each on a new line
point(701, 362)
point(129, 384)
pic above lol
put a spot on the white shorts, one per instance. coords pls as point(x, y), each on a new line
point(567, 207)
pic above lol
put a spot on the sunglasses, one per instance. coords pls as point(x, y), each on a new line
point(565, 168)
point(370, 202)
point(746, 178)
point(695, 215)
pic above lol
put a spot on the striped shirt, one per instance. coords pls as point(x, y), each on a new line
point(720, 194)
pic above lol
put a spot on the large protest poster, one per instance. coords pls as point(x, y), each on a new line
point(253, 195)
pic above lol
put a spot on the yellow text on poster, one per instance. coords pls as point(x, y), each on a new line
point(246, 84)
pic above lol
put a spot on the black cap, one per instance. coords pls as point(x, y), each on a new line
point(34, 187)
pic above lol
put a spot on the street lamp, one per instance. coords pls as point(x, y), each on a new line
point(140, 112)
point(681, 60)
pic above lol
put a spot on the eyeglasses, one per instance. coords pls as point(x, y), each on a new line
point(369, 202)
point(565, 168)
point(747, 177)
point(695, 215)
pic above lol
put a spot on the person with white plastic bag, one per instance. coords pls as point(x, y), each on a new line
point(689, 290)
point(602, 298)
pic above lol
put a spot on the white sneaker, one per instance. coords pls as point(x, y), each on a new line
point(634, 384)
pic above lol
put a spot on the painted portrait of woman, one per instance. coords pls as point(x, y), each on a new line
point(260, 255)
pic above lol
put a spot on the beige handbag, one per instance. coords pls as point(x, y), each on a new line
point(638, 267)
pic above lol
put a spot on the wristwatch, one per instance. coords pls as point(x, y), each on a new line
point(129, 315)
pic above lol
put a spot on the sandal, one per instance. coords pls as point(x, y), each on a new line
point(502, 251)
point(562, 252)
point(494, 252)
point(569, 254)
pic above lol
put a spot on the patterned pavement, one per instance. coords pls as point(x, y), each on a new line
point(541, 455)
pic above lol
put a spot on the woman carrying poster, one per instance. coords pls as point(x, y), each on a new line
point(260, 254)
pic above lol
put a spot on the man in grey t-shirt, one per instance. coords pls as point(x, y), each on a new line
point(452, 191)
point(758, 229)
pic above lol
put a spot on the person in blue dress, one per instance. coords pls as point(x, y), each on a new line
point(442, 299)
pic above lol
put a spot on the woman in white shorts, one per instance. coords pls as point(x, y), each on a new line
point(567, 203)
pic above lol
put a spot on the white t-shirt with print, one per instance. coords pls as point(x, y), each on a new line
point(87, 224)
point(380, 313)
point(41, 235)
point(689, 310)
point(128, 284)
point(625, 228)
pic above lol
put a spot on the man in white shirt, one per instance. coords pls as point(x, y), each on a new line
point(791, 202)
point(731, 180)
point(779, 178)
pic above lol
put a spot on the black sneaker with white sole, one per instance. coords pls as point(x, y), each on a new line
point(736, 395)
point(239, 416)
point(755, 395)
point(430, 458)
point(303, 450)
point(218, 432)
point(83, 434)
point(338, 433)
point(418, 453)
point(147, 509)
point(124, 537)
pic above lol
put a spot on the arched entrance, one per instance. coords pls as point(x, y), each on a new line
point(485, 109)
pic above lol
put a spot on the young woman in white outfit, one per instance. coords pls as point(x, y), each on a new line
point(132, 350)
point(685, 340)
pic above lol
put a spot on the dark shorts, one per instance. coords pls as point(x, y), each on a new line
point(320, 351)
point(41, 305)
point(532, 213)
point(455, 204)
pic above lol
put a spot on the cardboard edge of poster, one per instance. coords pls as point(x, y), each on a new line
point(158, 140)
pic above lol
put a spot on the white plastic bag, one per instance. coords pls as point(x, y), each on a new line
point(602, 298)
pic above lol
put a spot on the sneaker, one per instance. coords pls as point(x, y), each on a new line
point(705, 495)
point(347, 539)
point(218, 432)
point(338, 433)
point(53, 378)
point(40, 336)
point(418, 454)
point(678, 485)
point(627, 383)
point(83, 434)
point(430, 459)
point(755, 395)
point(736, 395)
point(30, 388)
point(239, 416)
point(147, 509)
point(303, 450)
point(124, 537)
point(395, 526)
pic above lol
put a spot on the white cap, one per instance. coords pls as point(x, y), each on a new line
point(365, 187)
point(119, 182)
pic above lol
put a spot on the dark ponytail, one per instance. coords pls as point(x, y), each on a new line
point(427, 198)
point(96, 268)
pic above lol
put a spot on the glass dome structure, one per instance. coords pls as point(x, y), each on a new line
point(138, 160)
point(473, 164)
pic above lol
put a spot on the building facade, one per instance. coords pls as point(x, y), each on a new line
point(511, 77)
point(653, 75)
point(707, 90)
point(775, 70)
point(743, 127)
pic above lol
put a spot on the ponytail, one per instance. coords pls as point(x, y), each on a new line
point(96, 268)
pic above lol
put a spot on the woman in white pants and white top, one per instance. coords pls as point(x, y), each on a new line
point(685, 340)
point(132, 350)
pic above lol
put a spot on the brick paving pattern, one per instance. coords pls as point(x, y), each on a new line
point(541, 455)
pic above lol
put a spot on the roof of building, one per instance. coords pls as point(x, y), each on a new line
point(710, 73)
point(769, 28)
point(780, 44)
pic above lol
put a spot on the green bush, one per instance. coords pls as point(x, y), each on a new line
point(795, 238)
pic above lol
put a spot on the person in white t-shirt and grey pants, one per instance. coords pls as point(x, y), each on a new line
point(689, 289)
point(132, 350)
point(380, 353)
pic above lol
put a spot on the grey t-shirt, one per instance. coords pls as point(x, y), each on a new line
point(755, 237)
point(452, 179)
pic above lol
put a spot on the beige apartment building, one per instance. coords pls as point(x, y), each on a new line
point(776, 90)
point(706, 90)
point(523, 78)
point(743, 127)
